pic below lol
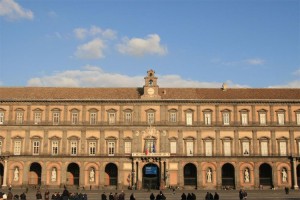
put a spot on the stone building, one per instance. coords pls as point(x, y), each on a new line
point(150, 137)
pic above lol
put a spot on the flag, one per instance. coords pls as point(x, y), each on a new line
point(146, 152)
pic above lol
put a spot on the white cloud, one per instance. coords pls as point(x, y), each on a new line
point(91, 50)
point(292, 84)
point(247, 62)
point(52, 14)
point(254, 61)
point(140, 47)
point(297, 72)
point(94, 31)
point(92, 76)
point(13, 11)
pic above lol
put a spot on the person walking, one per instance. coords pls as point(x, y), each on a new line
point(47, 195)
point(132, 197)
point(152, 197)
point(183, 196)
point(23, 196)
point(38, 195)
point(216, 196)
point(103, 196)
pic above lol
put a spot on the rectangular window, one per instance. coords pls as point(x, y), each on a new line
point(226, 118)
point(54, 147)
point(207, 118)
point(127, 147)
point(282, 148)
point(36, 148)
point(262, 119)
point(17, 148)
point(73, 148)
point(173, 148)
point(111, 148)
point(189, 118)
point(264, 148)
point(55, 118)
point(111, 118)
point(37, 117)
point(1, 117)
point(150, 117)
point(190, 148)
point(74, 118)
point(244, 118)
point(227, 148)
point(280, 118)
point(208, 148)
point(128, 117)
point(173, 117)
point(246, 148)
point(19, 118)
point(92, 148)
point(93, 118)
point(297, 118)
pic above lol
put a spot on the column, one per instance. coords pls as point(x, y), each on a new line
point(180, 142)
point(292, 142)
point(235, 115)
point(236, 143)
point(83, 114)
point(179, 114)
point(253, 112)
point(9, 141)
point(47, 112)
point(25, 172)
point(82, 175)
point(102, 142)
point(63, 173)
point(133, 180)
point(271, 115)
point(237, 176)
point(180, 174)
point(256, 175)
point(44, 174)
point(139, 175)
point(83, 143)
point(218, 150)
point(27, 142)
point(217, 114)
point(167, 172)
point(64, 142)
point(101, 175)
point(28, 114)
point(5, 173)
point(289, 121)
point(121, 149)
point(102, 114)
point(296, 187)
point(219, 176)
point(120, 183)
point(199, 176)
point(274, 170)
point(65, 115)
point(255, 146)
point(199, 142)
point(45, 142)
point(198, 115)
point(273, 143)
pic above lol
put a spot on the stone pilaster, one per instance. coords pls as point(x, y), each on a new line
point(83, 149)
point(255, 145)
point(121, 149)
point(295, 178)
point(180, 142)
point(102, 142)
point(64, 142)
point(199, 176)
point(217, 114)
point(44, 173)
point(27, 142)
point(45, 142)
point(218, 143)
point(84, 114)
point(236, 143)
point(237, 176)
point(199, 142)
point(253, 111)
point(271, 114)
point(273, 143)
point(292, 142)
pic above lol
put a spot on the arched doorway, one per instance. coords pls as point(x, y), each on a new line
point(151, 176)
point(1, 173)
point(228, 180)
point(298, 175)
point(265, 175)
point(190, 175)
point(111, 177)
point(35, 174)
point(73, 173)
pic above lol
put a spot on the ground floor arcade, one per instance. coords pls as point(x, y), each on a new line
point(152, 171)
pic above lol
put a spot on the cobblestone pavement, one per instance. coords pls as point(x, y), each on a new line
point(200, 194)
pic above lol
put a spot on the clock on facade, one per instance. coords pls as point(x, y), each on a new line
point(150, 91)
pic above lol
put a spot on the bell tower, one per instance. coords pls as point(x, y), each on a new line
point(151, 87)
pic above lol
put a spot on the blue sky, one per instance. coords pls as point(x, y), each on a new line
point(90, 43)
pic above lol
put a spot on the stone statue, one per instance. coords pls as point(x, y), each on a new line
point(208, 176)
point(53, 175)
point(92, 175)
point(246, 176)
point(284, 175)
point(16, 174)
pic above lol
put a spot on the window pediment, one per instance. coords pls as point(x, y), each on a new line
point(37, 110)
point(227, 138)
point(264, 138)
point(189, 138)
point(172, 110)
point(111, 110)
point(245, 139)
point(74, 110)
point(208, 138)
point(226, 110)
point(280, 110)
point(262, 111)
point(20, 109)
point(282, 138)
point(92, 138)
point(207, 110)
point(2, 109)
point(244, 111)
point(127, 110)
point(189, 110)
point(127, 138)
point(17, 137)
point(73, 138)
point(55, 110)
point(54, 138)
point(36, 137)
point(150, 110)
point(111, 138)
point(173, 138)
point(93, 110)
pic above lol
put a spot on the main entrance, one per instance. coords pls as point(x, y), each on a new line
point(151, 176)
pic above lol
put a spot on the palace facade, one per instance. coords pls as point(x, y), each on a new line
point(150, 137)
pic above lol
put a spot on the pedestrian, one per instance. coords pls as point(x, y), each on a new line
point(183, 196)
point(207, 196)
point(193, 196)
point(16, 197)
point(23, 196)
point(38, 195)
point(116, 196)
point(286, 190)
point(216, 196)
point(132, 197)
point(241, 195)
point(122, 196)
point(152, 197)
point(103, 196)
point(47, 195)
point(245, 195)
